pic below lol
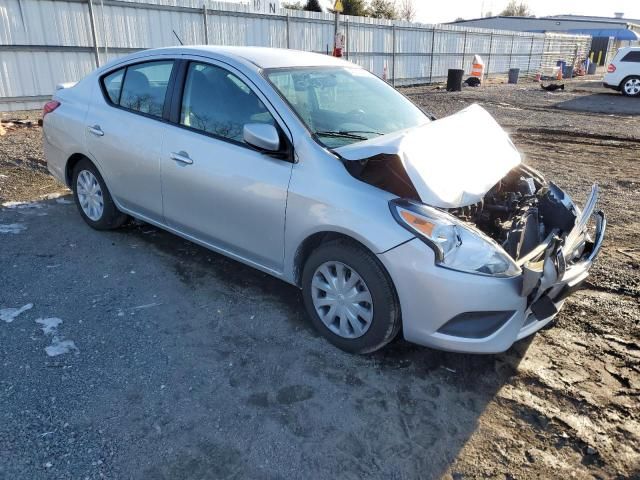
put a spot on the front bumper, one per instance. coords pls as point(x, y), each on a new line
point(432, 297)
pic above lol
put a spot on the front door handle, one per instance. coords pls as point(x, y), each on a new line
point(182, 157)
point(96, 130)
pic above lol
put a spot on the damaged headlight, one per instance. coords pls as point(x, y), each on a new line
point(457, 246)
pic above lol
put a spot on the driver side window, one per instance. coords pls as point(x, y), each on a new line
point(217, 102)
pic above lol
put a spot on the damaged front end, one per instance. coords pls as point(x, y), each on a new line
point(538, 225)
point(480, 209)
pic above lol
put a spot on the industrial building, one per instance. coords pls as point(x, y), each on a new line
point(608, 33)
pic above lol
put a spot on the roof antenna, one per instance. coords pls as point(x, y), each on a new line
point(174, 32)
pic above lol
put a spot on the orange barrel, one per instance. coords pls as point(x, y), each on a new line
point(477, 67)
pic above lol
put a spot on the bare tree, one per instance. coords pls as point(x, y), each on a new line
point(516, 9)
point(407, 10)
point(293, 5)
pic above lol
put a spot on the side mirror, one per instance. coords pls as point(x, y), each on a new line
point(262, 136)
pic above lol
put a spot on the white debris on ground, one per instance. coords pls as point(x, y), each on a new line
point(14, 228)
point(49, 325)
point(21, 205)
point(58, 345)
point(9, 314)
point(63, 201)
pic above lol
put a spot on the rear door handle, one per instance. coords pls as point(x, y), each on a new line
point(96, 130)
point(182, 157)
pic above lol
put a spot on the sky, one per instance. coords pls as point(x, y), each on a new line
point(441, 11)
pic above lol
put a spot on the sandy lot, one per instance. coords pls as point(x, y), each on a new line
point(188, 365)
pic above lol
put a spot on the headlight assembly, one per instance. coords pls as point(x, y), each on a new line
point(457, 246)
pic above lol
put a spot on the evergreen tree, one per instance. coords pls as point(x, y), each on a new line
point(313, 6)
point(355, 7)
point(383, 9)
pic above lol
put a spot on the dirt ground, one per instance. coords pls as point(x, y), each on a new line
point(565, 403)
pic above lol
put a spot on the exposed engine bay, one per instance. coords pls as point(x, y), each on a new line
point(520, 212)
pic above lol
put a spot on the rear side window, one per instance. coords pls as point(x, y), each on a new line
point(217, 102)
point(141, 87)
point(113, 85)
point(632, 57)
point(145, 86)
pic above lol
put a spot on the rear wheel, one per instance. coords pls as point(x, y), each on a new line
point(350, 297)
point(631, 86)
point(93, 198)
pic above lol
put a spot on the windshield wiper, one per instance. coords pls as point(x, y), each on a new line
point(346, 133)
point(330, 133)
point(364, 131)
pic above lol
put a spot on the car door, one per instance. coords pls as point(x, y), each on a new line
point(125, 130)
point(215, 187)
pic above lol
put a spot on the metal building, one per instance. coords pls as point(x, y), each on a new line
point(608, 33)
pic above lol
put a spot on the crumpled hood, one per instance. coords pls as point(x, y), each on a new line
point(452, 162)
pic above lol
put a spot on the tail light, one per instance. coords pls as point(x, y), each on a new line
point(611, 68)
point(50, 107)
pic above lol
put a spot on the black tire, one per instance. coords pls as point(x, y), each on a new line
point(386, 321)
point(111, 217)
point(623, 83)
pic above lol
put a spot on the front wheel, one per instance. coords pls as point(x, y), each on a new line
point(631, 87)
point(93, 198)
point(350, 297)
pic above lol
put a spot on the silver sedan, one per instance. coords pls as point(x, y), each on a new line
point(317, 172)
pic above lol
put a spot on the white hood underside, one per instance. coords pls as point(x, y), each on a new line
point(452, 162)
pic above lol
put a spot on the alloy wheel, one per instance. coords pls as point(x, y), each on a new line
point(632, 86)
point(342, 299)
point(90, 195)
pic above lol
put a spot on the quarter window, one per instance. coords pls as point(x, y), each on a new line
point(145, 87)
point(632, 57)
point(217, 102)
point(113, 85)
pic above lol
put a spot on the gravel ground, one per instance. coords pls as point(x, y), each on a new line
point(187, 365)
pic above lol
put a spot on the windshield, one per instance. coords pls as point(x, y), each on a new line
point(342, 105)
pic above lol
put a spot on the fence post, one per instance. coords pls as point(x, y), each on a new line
point(206, 24)
point(346, 42)
point(393, 55)
point(288, 32)
point(464, 49)
point(94, 36)
point(543, 54)
point(433, 42)
point(490, 55)
point(513, 39)
point(530, 53)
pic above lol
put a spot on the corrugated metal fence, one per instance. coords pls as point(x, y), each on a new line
point(45, 42)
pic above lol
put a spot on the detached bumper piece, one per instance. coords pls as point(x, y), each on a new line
point(550, 277)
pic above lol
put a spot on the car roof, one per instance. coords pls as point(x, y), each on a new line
point(260, 57)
